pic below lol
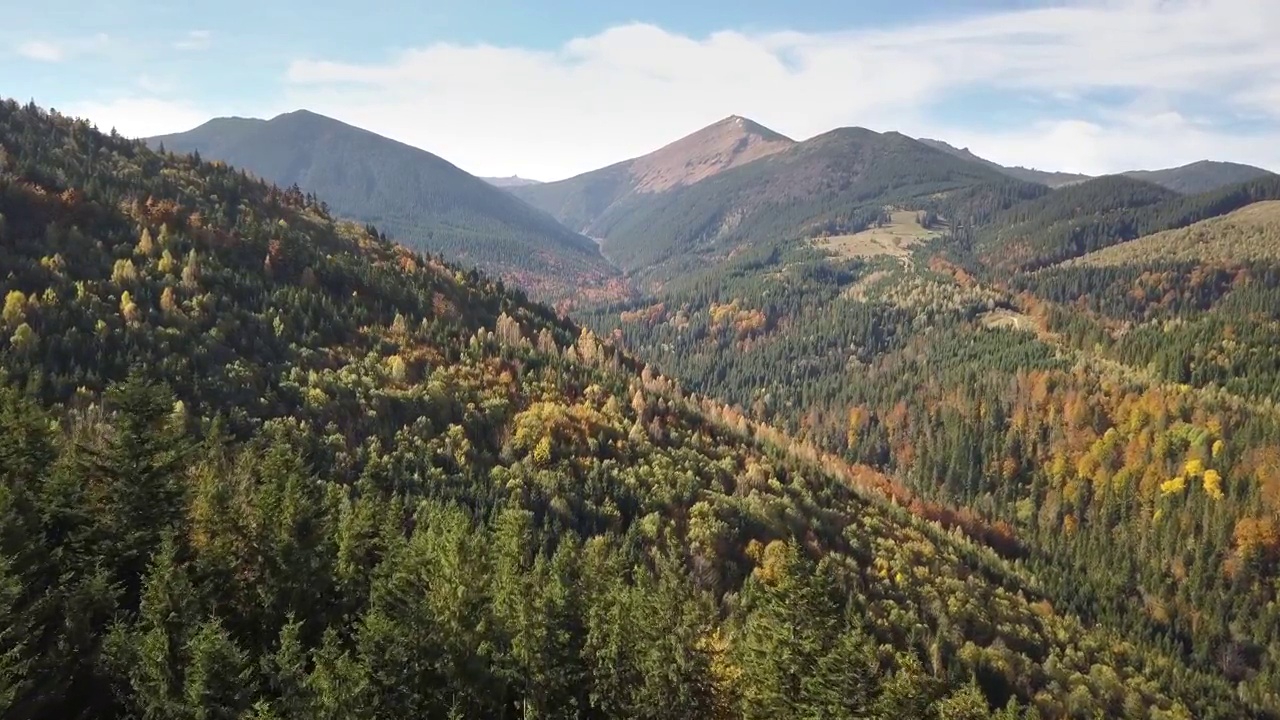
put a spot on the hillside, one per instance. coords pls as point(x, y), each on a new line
point(1089, 216)
point(418, 198)
point(1043, 177)
point(1250, 234)
point(836, 183)
point(1119, 420)
point(261, 463)
point(1200, 177)
point(579, 201)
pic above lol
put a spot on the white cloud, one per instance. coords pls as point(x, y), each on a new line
point(154, 85)
point(194, 40)
point(630, 89)
point(140, 116)
point(1137, 142)
point(66, 49)
point(41, 50)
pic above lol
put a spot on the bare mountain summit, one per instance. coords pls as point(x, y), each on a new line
point(727, 144)
point(732, 142)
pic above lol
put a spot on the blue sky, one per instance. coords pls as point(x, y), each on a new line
point(548, 89)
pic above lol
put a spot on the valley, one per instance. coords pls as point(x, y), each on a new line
point(856, 426)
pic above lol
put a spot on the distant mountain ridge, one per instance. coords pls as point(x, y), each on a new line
point(1201, 176)
point(837, 182)
point(1190, 179)
point(423, 200)
point(1044, 177)
point(511, 181)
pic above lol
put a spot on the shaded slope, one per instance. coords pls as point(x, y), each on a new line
point(1202, 176)
point(1082, 218)
point(419, 198)
point(1250, 234)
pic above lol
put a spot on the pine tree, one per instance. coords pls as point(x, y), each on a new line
point(339, 684)
point(219, 681)
point(134, 471)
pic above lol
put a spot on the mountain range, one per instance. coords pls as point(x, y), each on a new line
point(418, 198)
point(697, 200)
point(734, 183)
point(1196, 177)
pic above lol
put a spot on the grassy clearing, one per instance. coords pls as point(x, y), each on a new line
point(1002, 318)
point(896, 239)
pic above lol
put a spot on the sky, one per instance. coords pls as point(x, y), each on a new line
point(552, 88)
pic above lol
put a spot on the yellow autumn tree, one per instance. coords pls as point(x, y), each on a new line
point(146, 245)
point(542, 451)
point(169, 302)
point(168, 263)
point(1213, 484)
point(129, 309)
point(24, 338)
point(773, 563)
point(15, 308)
point(123, 272)
point(191, 273)
point(397, 367)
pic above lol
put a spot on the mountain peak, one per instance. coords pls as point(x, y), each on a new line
point(419, 198)
point(1201, 176)
point(731, 142)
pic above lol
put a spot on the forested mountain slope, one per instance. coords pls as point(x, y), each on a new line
point(1080, 219)
point(1202, 176)
point(835, 183)
point(420, 199)
point(255, 462)
point(1251, 233)
point(1121, 420)
point(581, 200)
